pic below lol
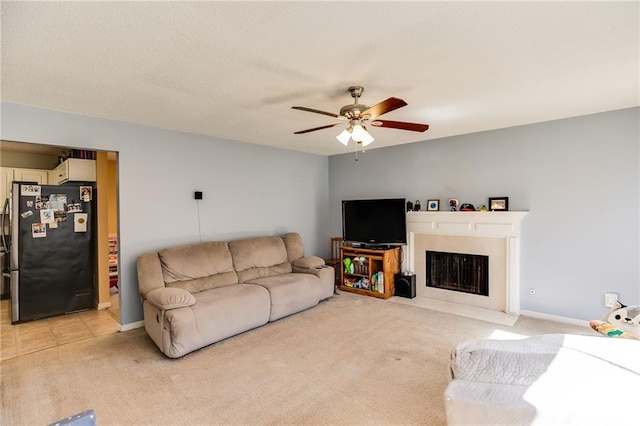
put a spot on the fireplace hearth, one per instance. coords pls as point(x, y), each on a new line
point(467, 273)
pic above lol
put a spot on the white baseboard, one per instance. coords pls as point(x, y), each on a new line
point(484, 314)
point(131, 326)
point(557, 318)
point(532, 314)
point(104, 305)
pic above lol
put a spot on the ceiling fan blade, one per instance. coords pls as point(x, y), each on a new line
point(315, 128)
point(317, 111)
point(415, 127)
point(382, 108)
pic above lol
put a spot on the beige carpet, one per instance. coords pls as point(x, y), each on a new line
point(350, 360)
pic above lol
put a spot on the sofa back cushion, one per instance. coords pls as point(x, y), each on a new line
point(259, 257)
point(198, 267)
point(295, 248)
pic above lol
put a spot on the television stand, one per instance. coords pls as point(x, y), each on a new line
point(372, 277)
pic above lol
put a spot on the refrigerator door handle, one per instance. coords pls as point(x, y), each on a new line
point(5, 212)
point(14, 246)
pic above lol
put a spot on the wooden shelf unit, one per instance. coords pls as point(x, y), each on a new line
point(385, 261)
point(113, 260)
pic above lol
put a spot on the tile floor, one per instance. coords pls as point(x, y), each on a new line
point(20, 339)
point(114, 309)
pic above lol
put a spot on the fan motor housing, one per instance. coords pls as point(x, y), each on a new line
point(352, 111)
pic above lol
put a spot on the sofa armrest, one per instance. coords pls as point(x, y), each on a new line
point(170, 298)
point(326, 278)
point(309, 265)
point(308, 262)
point(318, 271)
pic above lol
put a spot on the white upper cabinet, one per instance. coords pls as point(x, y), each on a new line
point(75, 170)
point(31, 175)
point(9, 174)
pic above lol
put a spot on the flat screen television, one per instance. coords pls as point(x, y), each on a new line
point(375, 222)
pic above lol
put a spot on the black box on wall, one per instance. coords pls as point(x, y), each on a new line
point(405, 285)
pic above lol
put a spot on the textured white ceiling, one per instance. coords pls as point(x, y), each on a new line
point(233, 69)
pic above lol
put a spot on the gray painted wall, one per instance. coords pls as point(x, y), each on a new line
point(569, 173)
point(248, 189)
point(573, 174)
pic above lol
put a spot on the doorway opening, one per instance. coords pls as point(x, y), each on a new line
point(42, 164)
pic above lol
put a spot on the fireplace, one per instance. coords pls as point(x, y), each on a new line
point(467, 273)
point(494, 235)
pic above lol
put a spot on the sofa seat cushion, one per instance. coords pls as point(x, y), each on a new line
point(218, 313)
point(198, 267)
point(259, 257)
point(291, 293)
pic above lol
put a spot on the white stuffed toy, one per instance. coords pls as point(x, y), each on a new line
point(621, 321)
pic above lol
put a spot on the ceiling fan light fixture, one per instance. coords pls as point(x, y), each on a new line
point(357, 115)
point(366, 138)
point(344, 137)
point(358, 133)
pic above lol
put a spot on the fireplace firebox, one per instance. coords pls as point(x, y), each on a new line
point(467, 273)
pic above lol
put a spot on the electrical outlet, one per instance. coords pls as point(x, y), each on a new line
point(610, 299)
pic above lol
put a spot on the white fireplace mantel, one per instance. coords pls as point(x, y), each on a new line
point(475, 224)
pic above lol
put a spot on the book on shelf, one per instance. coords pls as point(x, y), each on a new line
point(83, 154)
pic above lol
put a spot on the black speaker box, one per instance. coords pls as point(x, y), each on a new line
point(405, 285)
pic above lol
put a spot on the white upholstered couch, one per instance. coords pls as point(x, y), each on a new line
point(550, 379)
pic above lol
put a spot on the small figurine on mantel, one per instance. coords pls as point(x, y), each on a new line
point(467, 207)
point(416, 206)
point(453, 204)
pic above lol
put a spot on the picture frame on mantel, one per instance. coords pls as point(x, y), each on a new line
point(498, 204)
point(433, 205)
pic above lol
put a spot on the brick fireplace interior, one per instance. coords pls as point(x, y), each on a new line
point(468, 273)
point(494, 249)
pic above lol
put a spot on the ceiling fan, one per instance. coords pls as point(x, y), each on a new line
point(359, 116)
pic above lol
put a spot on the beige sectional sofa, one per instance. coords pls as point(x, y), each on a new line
point(198, 294)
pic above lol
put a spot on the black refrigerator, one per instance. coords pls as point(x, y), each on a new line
point(52, 249)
